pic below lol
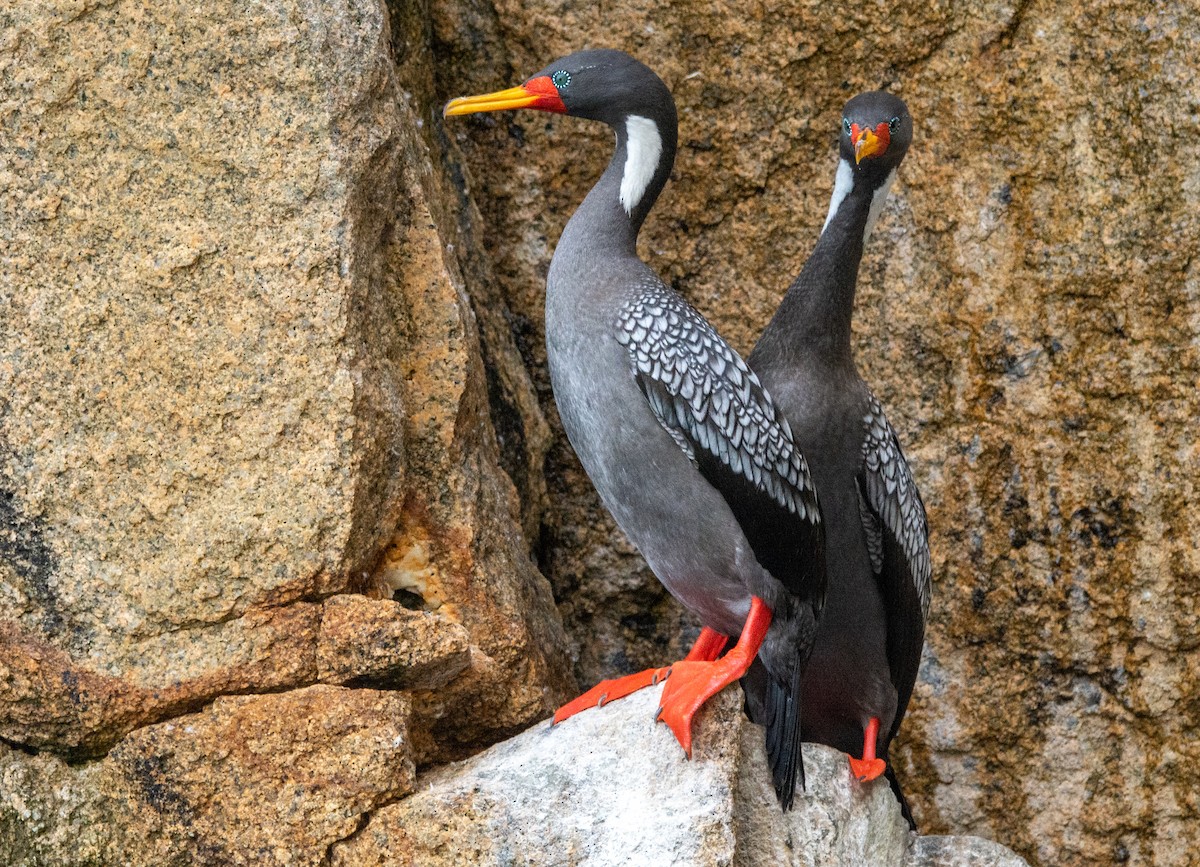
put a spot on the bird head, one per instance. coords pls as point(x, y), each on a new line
point(599, 84)
point(876, 132)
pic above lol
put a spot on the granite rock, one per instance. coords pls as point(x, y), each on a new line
point(1027, 313)
point(611, 787)
point(240, 371)
point(264, 779)
point(243, 408)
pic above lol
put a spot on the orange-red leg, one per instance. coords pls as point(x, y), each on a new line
point(610, 690)
point(707, 647)
point(868, 767)
point(693, 681)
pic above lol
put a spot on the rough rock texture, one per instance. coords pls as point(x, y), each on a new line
point(254, 363)
point(266, 779)
point(612, 787)
point(241, 383)
point(1029, 313)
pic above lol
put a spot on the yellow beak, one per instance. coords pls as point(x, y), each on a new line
point(867, 145)
point(502, 100)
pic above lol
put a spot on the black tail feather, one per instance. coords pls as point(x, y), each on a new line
point(776, 706)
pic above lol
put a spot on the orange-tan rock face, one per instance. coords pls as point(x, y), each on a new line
point(277, 442)
point(1028, 312)
point(244, 405)
point(273, 779)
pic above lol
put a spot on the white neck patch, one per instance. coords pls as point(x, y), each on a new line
point(877, 203)
point(842, 185)
point(643, 147)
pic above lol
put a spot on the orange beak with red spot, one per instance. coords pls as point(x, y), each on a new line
point(869, 142)
point(538, 93)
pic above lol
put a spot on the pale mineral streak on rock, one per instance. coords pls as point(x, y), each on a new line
point(611, 788)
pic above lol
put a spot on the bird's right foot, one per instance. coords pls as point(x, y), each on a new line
point(695, 680)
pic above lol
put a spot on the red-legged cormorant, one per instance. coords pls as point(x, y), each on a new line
point(868, 646)
point(684, 445)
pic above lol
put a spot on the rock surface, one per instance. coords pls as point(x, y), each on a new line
point(262, 391)
point(266, 779)
point(241, 385)
point(1029, 312)
point(611, 787)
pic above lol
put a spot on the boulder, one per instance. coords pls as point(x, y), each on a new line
point(263, 779)
point(612, 787)
point(245, 445)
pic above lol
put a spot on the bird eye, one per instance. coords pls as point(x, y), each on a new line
point(561, 79)
point(894, 124)
point(846, 125)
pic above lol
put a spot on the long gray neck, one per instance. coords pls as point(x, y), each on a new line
point(814, 317)
point(607, 223)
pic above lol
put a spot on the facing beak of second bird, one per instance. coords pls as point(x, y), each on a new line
point(699, 465)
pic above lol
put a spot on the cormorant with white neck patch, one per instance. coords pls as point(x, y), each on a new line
point(684, 445)
point(868, 646)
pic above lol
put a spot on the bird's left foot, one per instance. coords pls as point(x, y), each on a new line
point(707, 647)
point(694, 681)
point(868, 767)
point(865, 770)
point(610, 690)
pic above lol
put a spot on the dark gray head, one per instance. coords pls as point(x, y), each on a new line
point(876, 132)
point(599, 84)
point(609, 86)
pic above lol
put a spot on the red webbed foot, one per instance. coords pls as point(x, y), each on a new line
point(707, 647)
point(694, 680)
point(868, 767)
point(610, 690)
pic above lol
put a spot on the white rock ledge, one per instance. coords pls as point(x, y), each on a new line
point(611, 788)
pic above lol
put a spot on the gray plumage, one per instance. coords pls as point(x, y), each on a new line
point(682, 442)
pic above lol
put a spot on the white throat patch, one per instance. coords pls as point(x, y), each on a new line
point(842, 185)
point(841, 188)
point(643, 147)
point(877, 203)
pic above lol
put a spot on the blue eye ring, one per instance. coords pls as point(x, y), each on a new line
point(561, 79)
point(894, 124)
point(846, 125)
